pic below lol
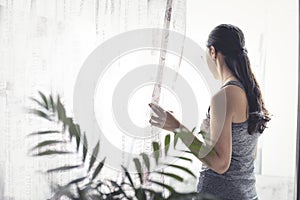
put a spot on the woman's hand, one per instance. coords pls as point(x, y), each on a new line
point(164, 119)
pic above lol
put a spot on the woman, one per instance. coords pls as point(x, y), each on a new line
point(227, 173)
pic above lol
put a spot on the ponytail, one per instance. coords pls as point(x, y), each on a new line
point(229, 40)
point(258, 114)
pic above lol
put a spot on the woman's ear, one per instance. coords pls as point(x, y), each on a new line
point(213, 53)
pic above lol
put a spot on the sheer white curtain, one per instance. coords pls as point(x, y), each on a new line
point(42, 47)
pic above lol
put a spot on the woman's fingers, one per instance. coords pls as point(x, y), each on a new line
point(157, 109)
point(155, 123)
point(157, 119)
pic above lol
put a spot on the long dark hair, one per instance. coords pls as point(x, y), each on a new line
point(230, 41)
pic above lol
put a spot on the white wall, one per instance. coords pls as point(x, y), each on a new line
point(279, 141)
point(277, 22)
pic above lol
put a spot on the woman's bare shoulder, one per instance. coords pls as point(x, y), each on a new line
point(232, 96)
point(236, 103)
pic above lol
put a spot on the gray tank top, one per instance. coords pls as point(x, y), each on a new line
point(238, 182)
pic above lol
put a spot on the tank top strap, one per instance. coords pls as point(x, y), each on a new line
point(237, 83)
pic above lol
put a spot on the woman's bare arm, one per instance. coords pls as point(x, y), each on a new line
point(216, 154)
point(220, 143)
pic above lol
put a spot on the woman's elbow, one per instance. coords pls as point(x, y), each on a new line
point(223, 167)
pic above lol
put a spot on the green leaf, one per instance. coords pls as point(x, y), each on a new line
point(181, 168)
point(61, 110)
point(44, 99)
point(206, 161)
point(176, 136)
point(46, 143)
point(183, 158)
point(146, 160)
point(98, 169)
point(38, 102)
point(128, 176)
point(81, 193)
point(155, 146)
point(114, 183)
point(68, 122)
point(64, 168)
point(195, 148)
point(120, 190)
point(100, 184)
point(44, 132)
point(39, 113)
point(167, 143)
point(193, 129)
point(140, 193)
point(85, 147)
point(202, 133)
point(138, 167)
point(51, 152)
point(52, 104)
point(94, 155)
point(154, 194)
point(178, 178)
point(211, 153)
point(171, 189)
point(74, 130)
point(78, 135)
point(114, 195)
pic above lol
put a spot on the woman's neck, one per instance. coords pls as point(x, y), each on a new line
point(225, 73)
point(228, 78)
